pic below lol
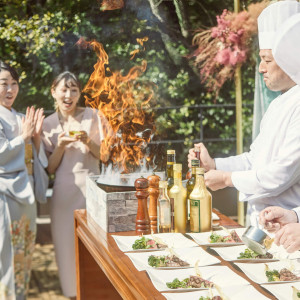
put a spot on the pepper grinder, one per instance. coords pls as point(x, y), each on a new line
point(142, 223)
point(153, 192)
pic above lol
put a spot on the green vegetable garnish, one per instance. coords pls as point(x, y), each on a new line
point(248, 253)
point(272, 275)
point(298, 294)
point(176, 283)
point(141, 243)
point(156, 261)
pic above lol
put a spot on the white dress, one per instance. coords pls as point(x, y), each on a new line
point(269, 174)
point(69, 190)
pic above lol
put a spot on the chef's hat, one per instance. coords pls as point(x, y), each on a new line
point(271, 19)
point(286, 47)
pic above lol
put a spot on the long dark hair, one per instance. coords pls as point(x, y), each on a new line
point(70, 80)
point(11, 70)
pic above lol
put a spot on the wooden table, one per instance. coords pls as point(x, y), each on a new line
point(105, 272)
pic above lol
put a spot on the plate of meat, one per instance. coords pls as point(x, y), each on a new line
point(225, 237)
point(284, 291)
point(153, 242)
point(172, 259)
point(273, 272)
point(194, 279)
point(242, 292)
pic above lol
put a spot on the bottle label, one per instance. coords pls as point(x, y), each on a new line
point(195, 215)
point(172, 214)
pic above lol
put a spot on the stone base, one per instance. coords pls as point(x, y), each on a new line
point(113, 212)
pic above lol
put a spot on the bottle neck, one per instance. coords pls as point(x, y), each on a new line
point(163, 193)
point(194, 171)
point(170, 169)
point(200, 181)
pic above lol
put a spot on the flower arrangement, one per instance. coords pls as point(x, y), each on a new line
point(222, 48)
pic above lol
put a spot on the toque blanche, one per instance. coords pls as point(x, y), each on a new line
point(271, 19)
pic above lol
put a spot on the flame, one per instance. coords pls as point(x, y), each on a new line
point(124, 101)
point(111, 4)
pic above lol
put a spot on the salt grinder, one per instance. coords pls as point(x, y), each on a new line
point(142, 223)
point(153, 192)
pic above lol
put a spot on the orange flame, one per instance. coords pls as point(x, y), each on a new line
point(111, 4)
point(124, 102)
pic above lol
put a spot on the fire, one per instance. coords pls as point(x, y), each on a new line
point(111, 4)
point(124, 101)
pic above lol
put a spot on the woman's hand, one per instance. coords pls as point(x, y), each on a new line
point(39, 118)
point(63, 140)
point(28, 124)
point(83, 137)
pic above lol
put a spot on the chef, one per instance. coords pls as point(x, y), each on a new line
point(283, 221)
point(269, 174)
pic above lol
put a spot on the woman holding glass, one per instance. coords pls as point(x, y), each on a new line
point(72, 137)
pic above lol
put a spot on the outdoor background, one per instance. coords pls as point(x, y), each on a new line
point(39, 38)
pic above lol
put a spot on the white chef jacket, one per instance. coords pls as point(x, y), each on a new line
point(269, 174)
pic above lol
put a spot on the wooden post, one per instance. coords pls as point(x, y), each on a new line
point(239, 123)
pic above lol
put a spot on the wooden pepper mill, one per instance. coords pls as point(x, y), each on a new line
point(153, 192)
point(142, 223)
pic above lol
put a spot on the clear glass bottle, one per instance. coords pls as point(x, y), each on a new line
point(171, 160)
point(200, 205)
point(178, 193)
point(189, 187)
point(163, 208)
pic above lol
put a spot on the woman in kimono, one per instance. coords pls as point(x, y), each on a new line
point(72, 137)
point(20, 155)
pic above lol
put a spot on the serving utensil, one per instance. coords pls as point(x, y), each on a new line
point(257, 240)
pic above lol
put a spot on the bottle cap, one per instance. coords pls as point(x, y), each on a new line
point(177, 167)
point(195, 163)
point(170, 151)
point(163, 184)
point(200, 171)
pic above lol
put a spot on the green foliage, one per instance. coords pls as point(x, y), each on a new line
point(39, 38)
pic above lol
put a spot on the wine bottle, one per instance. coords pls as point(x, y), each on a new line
point(200, 205)
point(178, 193)
point(163, 208)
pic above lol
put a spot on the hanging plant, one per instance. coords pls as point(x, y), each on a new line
point(221, 49)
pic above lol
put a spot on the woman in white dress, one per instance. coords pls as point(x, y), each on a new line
point(21, 160)
point(72, 157)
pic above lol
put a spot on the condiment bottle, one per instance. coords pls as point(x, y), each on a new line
point(197, 154)
point(200, 205)
point(142, 223)
point(170, 163)
point(163, 208)
point(178, 193)
point(189, 187)
point(153, 194)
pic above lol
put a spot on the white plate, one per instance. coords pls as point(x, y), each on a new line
point(243, 292)
point(282, 291)
point(256, 272)
point(173, 240)
point(215, 217)
point(232, 254)
point(189, 255)
point(219, 275)
point(203, 237)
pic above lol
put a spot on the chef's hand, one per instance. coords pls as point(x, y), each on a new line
point(275, 217)
point(217, 179)
point(289, 237)
point(206, 161)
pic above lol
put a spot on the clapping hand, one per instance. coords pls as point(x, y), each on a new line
point(28, 124)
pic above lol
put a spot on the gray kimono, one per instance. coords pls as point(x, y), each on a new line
point(17, 205)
